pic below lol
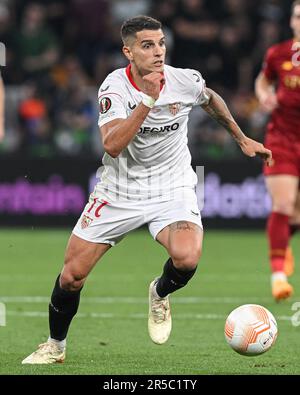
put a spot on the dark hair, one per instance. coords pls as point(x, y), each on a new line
point(137, 24)
point(295, 3)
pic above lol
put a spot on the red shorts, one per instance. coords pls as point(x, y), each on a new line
point(286, 154)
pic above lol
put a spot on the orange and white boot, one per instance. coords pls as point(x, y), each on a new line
point(281, 289)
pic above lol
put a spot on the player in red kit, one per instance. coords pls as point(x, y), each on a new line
point(278, 91)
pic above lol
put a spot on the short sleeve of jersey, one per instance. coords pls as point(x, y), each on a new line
point(268, 67)
point(198, 85)
point(111, 101)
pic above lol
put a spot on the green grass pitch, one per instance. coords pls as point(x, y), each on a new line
point(109, 334)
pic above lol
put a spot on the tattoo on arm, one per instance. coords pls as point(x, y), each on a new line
point(219, 111)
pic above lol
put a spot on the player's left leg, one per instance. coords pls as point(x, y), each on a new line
point(183, 241)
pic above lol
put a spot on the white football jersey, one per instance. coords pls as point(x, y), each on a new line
point(157, 161)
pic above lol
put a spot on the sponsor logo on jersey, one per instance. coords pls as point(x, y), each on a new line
point(162, 129)
point(131, 106)
point(195, 213)
point(86, 221)
point(174, 108)
point(105, 105)
point(292, 81)
point(104, 89)
point(287, 66)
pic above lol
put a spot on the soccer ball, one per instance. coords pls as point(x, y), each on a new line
point(250, 329)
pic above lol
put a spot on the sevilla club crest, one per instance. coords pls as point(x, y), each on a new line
point(86, 221)
point(174, 108)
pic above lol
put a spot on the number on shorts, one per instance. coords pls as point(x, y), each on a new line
point(97, 210)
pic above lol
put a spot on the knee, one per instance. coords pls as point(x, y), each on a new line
point(285, 207)
point(185, 259)
point(71, 281)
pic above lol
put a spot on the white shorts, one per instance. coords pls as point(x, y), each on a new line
point(108, 222)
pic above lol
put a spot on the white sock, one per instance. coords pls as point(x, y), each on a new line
point(60, 343)
point(278, 276)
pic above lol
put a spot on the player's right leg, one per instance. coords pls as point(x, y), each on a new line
point(81, 256)
point(283, 189)
point(175, 224)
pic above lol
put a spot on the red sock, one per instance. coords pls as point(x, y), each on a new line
point(278, 230)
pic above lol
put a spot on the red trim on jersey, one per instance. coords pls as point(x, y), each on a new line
point(110, 93)
point(129, 75)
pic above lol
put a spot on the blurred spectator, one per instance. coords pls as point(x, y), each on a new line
point(195, 35)
point(74, 111)
point(36, 46)
point(76, 121)
point(68, 73)
point(269, 33)
point(35, 126)
point(88, 30)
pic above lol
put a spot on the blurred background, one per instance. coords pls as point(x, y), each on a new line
point(60, 51)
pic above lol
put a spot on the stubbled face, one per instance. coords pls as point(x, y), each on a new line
point(147, 51)
point(295, 22)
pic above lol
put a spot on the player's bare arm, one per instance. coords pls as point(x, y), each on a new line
point(117, 134)
point(265, 93)
point(217, 109)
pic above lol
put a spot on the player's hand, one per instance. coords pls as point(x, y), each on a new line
point(152, 83)
point(268, 102)
point(252, 148)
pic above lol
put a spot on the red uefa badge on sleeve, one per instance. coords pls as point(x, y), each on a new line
point(105, 105)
